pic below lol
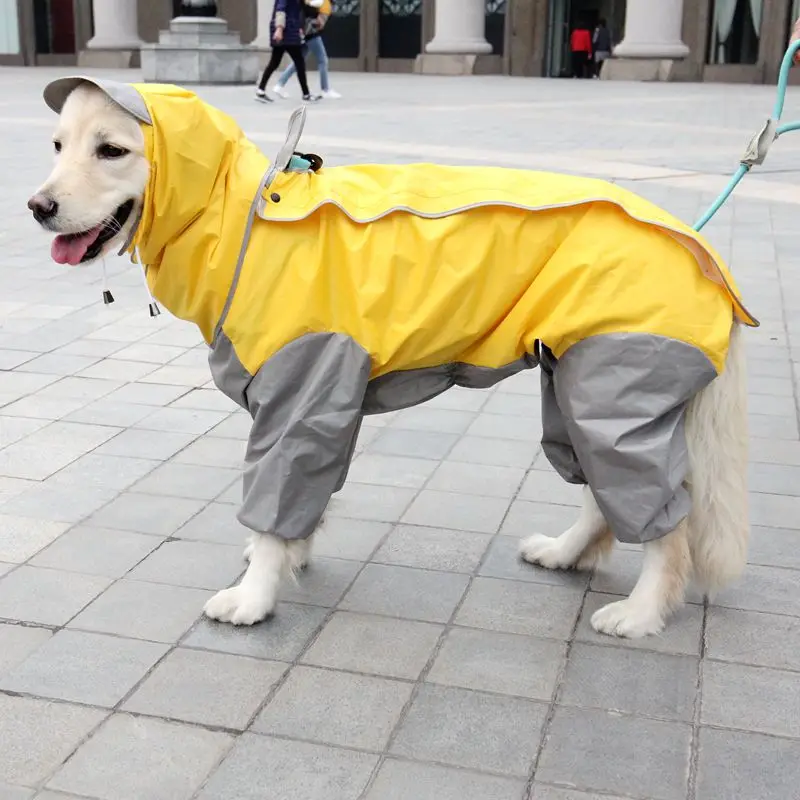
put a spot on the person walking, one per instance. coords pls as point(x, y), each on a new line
point(580, 43)
point(601, 44)
point(795, 37)
point(286, 36)
point(316, 13)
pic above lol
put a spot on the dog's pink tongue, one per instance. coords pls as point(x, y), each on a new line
point(70, 249)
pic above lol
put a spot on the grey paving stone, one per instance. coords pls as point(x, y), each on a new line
point(182, 420)
point(774, 451)
point(83, 668)
point(281, 637)
point(471, 729)
point(21, 537)
point(132, 758)
point(440, 420)
point(214, 689)
point(354, 539)
point(215, 523)
point(17, 642)
point(298, 771)
point(321, 583)
point(499, 662)
point(145, 513)
point(110, 472)
point(205, 399)
point(96, 551)
point(503, 561)
point(774, 478)
point(547, 485)
point(525, 518)
point(494, 452)
point(236, 426)
point(395, 648)
point(204, 565)
point(774, 547)
point(682, 633)
point(606, 752)
point(139, 443)
point(8, 792)
point(450, 510)
point(433, 548)
point(374, 503)
point(765, 640)
point(410, 473)
point(413, 444)
point(516, 607)
point(654, 684)
point(402, 780)
point(139, 610)
point(47, 596)
point(733, 765)
point(756, 698)
point(479, 479)
point(541, 792)
point(214, 452)
point(336, 708)
point(187, 480)
point(404, 592)
point(59, 503)
point(763, 589)
point(38, 735)
point(772, 510)
point(521, 428)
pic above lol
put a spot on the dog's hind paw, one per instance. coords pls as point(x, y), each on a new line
point(627, 619)
point(240, 606)
point(546, 551)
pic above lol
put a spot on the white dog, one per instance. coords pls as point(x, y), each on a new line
point(697, 525)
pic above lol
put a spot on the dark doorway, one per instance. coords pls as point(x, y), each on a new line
point(400, 29)
point(343, 31)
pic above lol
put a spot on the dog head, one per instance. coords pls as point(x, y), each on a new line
point(93, 197)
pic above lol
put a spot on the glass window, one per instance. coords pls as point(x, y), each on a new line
point(735, 32)
point(9, 27)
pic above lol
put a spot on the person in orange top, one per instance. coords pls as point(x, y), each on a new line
point(795, 37)
point(581, 46)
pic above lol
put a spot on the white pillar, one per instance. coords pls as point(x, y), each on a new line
point(115, 26)
point(652, 30)
point(460, 27)
point(263, 19)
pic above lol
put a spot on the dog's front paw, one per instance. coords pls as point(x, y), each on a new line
point(546, 551)
point(628, 619)
point(240, 606)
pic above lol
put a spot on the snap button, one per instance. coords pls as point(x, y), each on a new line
point(275, 197)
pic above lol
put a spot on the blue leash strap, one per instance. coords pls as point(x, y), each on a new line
point(759, 145)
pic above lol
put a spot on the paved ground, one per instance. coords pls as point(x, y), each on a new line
point(417, 659)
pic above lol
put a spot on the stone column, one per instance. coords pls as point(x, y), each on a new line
point(263, 19)
point(116, 41)
point(652, 42)
point(459, 38)
point(115, 26)
point(460, 28)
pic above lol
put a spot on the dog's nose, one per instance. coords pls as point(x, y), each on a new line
point(43, 207)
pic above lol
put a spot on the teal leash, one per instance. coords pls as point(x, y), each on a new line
point(760, 144)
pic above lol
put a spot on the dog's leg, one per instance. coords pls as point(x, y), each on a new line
point(579, 547)
point(659, 590)
point(254, 597)
point(299, 551)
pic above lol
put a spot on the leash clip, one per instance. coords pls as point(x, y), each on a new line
point(759, 145)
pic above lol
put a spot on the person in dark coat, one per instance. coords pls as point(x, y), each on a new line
point(286, 36)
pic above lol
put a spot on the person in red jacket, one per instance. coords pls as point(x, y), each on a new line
point(581, 46)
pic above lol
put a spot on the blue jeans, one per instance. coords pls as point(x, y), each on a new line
point(317, 47)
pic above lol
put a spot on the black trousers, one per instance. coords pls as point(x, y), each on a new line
point(295, 52)
point(581, 67)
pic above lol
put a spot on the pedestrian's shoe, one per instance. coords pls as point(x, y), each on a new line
point(280, 91)
point(331, 94)
point(262, 97)
point(311, 98)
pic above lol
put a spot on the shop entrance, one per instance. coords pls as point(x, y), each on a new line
point(562, 18)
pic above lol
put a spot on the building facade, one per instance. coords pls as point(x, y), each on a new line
point(715, 40)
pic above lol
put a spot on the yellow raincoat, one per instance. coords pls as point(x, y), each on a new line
point(330, 294)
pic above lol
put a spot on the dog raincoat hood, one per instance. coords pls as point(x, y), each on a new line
point(326, 295)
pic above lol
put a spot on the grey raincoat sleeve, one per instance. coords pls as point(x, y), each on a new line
point(306, 407)
point(614, 417)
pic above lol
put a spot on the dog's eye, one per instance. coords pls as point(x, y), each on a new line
point(57, 146)
point(111, 151)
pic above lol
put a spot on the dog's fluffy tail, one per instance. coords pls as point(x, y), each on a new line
point(716, 432)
